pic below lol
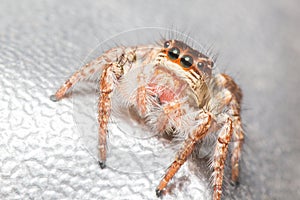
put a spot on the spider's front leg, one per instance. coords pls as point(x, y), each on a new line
point(107, 85)
point(111, 66)
point(220, 154)
point(186, 150)
point(111, 74)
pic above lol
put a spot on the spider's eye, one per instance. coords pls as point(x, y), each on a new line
point(200, 65)
point(174, 53)
point(166, 44)
point(204, 68)
point(186, 61)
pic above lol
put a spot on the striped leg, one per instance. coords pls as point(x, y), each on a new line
point(220, 158)
point(95, 66)
point(109, 78)
point(107, 85)
point(141, 96)
point(238, 140)
point(186, 151)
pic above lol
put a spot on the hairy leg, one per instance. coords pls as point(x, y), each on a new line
point(95, 66)
point(186, 150)
point(111, 65)
point(169, 117)
point(227, 92)
point(220, 154)
point(141, 96)
point(238, 140)
point(107, 85)
point(109, 78)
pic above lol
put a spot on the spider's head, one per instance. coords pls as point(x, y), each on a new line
point(188, 65)
point(189, 59)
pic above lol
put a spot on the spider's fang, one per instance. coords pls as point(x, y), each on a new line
point(102, 164)
point(53, 98)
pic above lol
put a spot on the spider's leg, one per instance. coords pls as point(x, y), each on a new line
point(230, 95)
point(107, 85)
point(221, 150)
point(94, 67)
point(186, 150)
point(171, 112)
point(141, 96)
point(237, 139)
point(144, 90)
point(234, 108)
point(111, 74)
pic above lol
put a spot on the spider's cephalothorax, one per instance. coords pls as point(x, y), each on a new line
point(171, 88)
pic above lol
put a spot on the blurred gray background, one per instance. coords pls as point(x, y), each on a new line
point(43, 42)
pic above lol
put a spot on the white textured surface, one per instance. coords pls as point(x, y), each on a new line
point(43, 151)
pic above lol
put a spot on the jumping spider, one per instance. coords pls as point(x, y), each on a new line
point(174, 91)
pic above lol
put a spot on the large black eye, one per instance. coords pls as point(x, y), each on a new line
point(173, 53)
point(186, 61)
point(166, 44)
